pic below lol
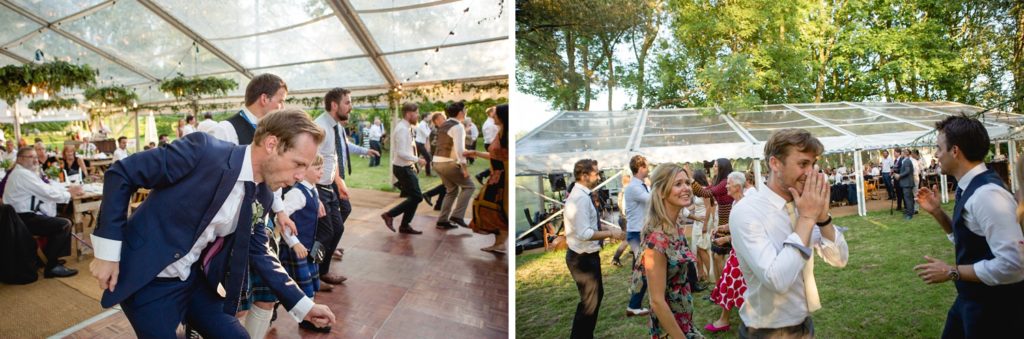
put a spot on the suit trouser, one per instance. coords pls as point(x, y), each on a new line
point(908, 200)
point(411, 190)
point(486, 172)
point(899, 194)
point(330, 228)
point(375, 160)
point(422, 148)
point(458, 187)
point(156, 309)
point(57, 232)
point(801, 330)
point(970, 318)
point(439, 191)
point(586, 271)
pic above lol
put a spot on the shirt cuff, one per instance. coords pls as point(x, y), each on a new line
point(301, 308)
point(291, 240)
point(106, 249)
point(950, 236)
point(794, 241)
point(278, 205)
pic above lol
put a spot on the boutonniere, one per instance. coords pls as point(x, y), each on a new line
point(258, 214)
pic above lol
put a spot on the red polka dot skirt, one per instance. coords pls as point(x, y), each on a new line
point(728, 293)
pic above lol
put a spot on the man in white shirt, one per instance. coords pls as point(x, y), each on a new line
point(887, 164)
point(403, 157)
point(989, 269)
point(376, 133)
point(490, 131)
point(583, 232)
point(332, 190)
point(450, 163)
point(637, 200)
point(35, 201)
point(472, 133)
point(422, 140)
point(122, 148)
point(207, 125)
point(774, 231)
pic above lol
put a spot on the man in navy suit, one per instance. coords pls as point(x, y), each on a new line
point(184, 254)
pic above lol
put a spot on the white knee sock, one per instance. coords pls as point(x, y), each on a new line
point(257, 322)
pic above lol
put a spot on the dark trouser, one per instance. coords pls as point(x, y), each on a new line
point(57, 232)
point(156, 309)
point(411, 190)
point(586, 271)
point(801, 330)
point(908, 201)
point(970, 318)
point(472, 147)
point(375, 160)
point(899, 195)
point(422, 148)
point(887, 179)
point(486, 172)
point(636, 300)
point(330, 228)
point(439, 191)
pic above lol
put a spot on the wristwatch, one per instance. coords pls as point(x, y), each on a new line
point(954, 274)
point(826, 222)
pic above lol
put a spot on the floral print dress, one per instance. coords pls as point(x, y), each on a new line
point(677, 291)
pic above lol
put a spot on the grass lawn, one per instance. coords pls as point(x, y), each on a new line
point(379, 178)
point(877, 295)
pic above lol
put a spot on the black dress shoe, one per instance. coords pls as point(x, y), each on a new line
point(60, 271)
point(437, 206)
point(427, 199)
point(406, 229)
point(460, 222)
point(480, 178)
point(446, 225)
point(309, 326)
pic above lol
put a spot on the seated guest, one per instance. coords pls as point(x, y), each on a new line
point(72, 164)
point(122, 149)
point(44, 160)
point(11, 152)
point(36, 204)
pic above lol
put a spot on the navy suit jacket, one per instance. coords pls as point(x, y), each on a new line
point(189, 182)
point(906, 173)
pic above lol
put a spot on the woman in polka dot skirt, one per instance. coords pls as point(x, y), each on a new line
point(728, 293)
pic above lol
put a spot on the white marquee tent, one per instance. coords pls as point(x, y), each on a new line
point(687, 135)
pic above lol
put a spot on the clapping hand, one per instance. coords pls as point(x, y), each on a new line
point(927, 198)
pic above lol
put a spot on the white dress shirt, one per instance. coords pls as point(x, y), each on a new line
point(490, 130)
point(376, 132)
point(326, 149)
point(580, 218)
point(422, 132)
point(887, 164)
point(458, 135)
point(772, 258)
point(473, 132)
point(207, 126)
point(404, 153)
point(295, 200)
point(637, 199)
point(991, 213)
point(120, 154)
point(223, 224)
point(24, 185)
point(187, 130)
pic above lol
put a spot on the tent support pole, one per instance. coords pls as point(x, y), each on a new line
point(858, 161)
point(758, 180)
point(1013, 165)
point(138, 137)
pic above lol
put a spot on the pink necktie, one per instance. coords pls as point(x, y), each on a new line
point(212, 251)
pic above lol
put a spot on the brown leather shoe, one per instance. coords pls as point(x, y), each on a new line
point(387, 221)
point(406, 229)
point(325, 287)
point(335, 279)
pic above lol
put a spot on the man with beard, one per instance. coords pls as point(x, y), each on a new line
point(774, 231)
point(336, 150)
point(989, 269)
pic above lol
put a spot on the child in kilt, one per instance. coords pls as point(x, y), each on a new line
point(303, 206)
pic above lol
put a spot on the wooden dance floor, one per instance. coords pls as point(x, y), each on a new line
point(435, 285)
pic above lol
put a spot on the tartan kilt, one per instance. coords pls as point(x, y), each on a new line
point(305, 273)
point(256, 290)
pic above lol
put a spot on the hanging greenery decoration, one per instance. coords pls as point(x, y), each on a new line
point(115, 96)
point(194, 89)
point(49, 77)
point(55, 103)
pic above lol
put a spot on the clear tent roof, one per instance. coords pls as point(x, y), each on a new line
point(678, 135)
point(313, 44)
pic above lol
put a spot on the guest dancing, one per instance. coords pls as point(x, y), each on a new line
point(721, 168)
point(728, 293)
point(490, 209)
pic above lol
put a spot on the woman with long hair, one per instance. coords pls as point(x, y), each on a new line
point(704, 211)
point(490, 209)
point(728, 293)
point(666, 255)
point(721, 168)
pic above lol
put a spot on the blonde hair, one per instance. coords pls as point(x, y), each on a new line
point(287, 125)
point(661, 186)
point(319, 161)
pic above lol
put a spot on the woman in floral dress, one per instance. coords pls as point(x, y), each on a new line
point(666, 255)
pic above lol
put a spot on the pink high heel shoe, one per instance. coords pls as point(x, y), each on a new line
point(711, 328)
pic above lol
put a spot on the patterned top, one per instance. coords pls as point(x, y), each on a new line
point(677, 291)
